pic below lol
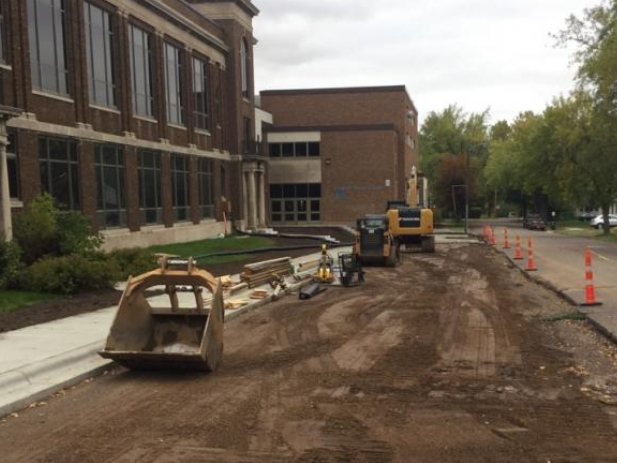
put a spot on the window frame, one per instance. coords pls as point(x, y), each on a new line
point(244, 67)
point(175, 112)
point(201, 104)
point(182, 212)
point(100, 164)
point(147, 61)
point(108, 81)
point(205, 173)
point(157, 171)
point(289, 202)
point(59, 66)
point(74, 184)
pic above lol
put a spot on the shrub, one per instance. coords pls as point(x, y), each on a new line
point(133, 261)
point(69, 274)
point(10, 255)
point(42, 230)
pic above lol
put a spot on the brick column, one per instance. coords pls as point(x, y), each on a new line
point(194, 188)
point(29, 166)
point(88, 181)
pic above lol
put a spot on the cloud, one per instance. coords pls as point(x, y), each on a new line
point(479, 53)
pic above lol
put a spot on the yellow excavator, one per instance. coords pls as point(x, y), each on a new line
point(410, 224)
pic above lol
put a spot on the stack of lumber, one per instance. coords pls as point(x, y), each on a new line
point(262, 273)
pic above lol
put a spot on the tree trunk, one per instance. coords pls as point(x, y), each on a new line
point(606, 208)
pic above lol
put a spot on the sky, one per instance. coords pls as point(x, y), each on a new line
point(480, 54)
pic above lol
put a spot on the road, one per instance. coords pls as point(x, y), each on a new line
point(561, 259)
point(445, 359)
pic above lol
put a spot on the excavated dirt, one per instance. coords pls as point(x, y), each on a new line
point(444, 359)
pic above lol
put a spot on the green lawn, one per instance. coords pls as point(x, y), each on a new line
point(582, 229)
point(11, 301)
point(211, 246)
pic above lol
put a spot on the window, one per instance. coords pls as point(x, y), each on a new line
point(292, 203)
point(206, 190)
point(173, 73)
point(59, 171)
point(13, 168)
point(99, 42)
point(141, 71)
point(297, 149)
point(244, 56)
point(149, 172)
point(200, 92)
point(46, 29)
point(246, 136)
point(111, 202)
point(2, 49)
point(180, 187)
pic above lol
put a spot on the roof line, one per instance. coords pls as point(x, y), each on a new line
point(334, 128)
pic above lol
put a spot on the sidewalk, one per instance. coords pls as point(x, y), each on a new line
point(39, 360)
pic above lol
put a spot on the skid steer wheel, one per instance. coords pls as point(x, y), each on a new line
point(395, 256)
point(428, 244)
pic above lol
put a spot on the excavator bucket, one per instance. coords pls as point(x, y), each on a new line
point(174, 337)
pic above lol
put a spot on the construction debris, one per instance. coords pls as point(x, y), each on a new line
point(260, 294)
point(311, 291)
point(236, 304)
point(261, 273)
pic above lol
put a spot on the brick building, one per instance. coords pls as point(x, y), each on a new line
point(336, 154)
point(139, 113)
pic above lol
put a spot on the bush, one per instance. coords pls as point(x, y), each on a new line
point(68, 274)
point(133, 261)
point(10, 255)
point(43, 230)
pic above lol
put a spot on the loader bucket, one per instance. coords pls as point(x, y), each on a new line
point(173, 337)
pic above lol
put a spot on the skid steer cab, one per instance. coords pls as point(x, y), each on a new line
point(375, 244)
point(179, 330)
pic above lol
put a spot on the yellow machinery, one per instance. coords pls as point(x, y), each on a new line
point(174, 337)
point(410, 224)
point(324, 272)
point(375, 243)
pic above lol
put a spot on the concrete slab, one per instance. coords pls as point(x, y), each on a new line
point(42, 359)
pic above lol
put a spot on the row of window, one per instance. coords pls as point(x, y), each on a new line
point(297, 149)
point(59, 165)
point(47, 34)
point(295, 203)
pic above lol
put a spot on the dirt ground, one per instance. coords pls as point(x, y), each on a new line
point(88, 302)
point(445, 359)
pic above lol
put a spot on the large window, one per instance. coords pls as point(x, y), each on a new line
point(60, 170)
point(206, 189)
point(200, 91)
point(149, 171)
point(111, 202)
point(180, 187)
point(297, 149)
point(293, 203)
point(173, 81)
point(244, 57)
point(99, 43)
point(13, 167)
point(2, 40)
point(46, 26)
point(141, 71)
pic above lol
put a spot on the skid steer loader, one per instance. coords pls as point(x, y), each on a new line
point(172, 337)
point(375, 243)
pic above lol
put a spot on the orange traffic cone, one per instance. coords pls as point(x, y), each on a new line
point(506, 241)
point(493, 240)
point(531, 263)
point(590, 289)
point(518, 253)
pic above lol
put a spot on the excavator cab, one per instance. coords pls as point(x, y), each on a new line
point(162, 332)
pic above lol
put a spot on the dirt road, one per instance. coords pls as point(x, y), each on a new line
point(444, 359)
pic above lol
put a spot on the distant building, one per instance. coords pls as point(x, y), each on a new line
point(139, 113)
point(336, 154)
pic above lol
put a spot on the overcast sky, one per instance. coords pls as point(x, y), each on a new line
point(477, 53)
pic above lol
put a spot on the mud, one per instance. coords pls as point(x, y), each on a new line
point(444, 359)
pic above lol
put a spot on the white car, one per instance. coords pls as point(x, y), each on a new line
point(598, 222)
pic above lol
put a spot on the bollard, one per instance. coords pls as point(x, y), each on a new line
point(590, 289)
point(518, 253)
point(506, 241)
point(531, 263)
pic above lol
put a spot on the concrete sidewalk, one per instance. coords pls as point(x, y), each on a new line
point(39, 360)
point(569, 283)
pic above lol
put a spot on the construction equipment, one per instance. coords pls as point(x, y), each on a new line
point(324, 271)
point(174, 337)
point(375, 243)
point(350, 270)
point(411, 224)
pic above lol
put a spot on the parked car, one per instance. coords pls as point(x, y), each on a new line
point(513, 215)
point(598, 222)
point(534, 222)
point(587, 216)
